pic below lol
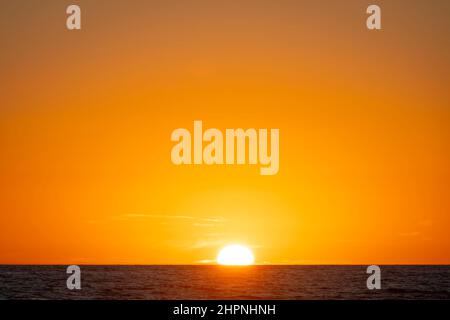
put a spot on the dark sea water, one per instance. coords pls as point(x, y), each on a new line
point(219, 282)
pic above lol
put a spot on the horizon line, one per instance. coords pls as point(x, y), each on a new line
point(218, 265)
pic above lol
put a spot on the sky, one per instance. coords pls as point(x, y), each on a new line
point(86, 118)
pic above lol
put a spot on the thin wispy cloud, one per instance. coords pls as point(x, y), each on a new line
point(207, 244)
point(155, 216)
point(204, 225)
point(208, 221)
point(206, 261)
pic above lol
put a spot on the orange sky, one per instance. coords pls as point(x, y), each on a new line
point(86, 118)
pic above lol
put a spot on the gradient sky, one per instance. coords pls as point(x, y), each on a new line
point(86, 118)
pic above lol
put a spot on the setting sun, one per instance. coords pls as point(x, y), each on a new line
point(235, 255)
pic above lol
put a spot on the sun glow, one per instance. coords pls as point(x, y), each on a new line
point(235, 255)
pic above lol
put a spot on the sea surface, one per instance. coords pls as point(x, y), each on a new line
point(220, 282)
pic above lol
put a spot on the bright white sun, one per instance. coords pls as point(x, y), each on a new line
point(235, 255)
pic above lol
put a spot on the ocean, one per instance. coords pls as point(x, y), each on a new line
point(220, 282)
